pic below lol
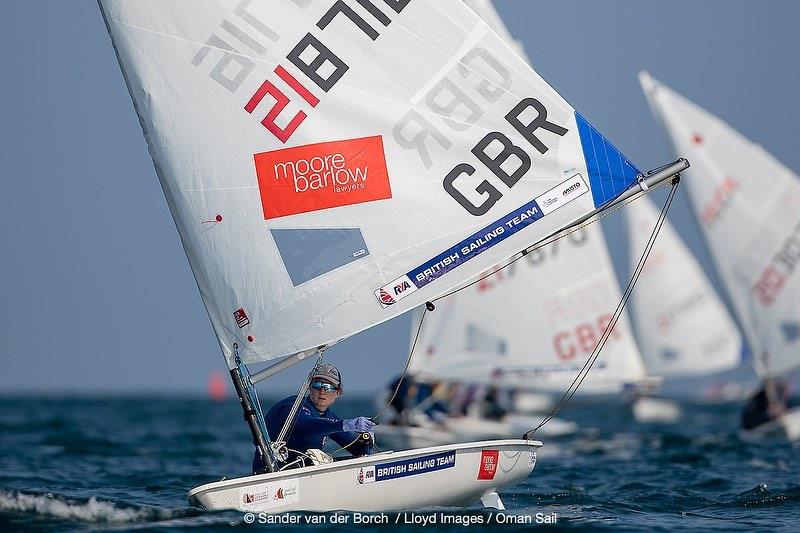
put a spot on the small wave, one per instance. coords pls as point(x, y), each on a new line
point(91, 510)
point(761, 495)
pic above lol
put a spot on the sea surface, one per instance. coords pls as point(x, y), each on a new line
point(117, 464)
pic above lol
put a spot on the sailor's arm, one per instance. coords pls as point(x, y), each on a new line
point(311, 425)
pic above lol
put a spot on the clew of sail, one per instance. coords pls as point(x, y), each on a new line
point(682, 326)
point(330, 165)
point(533, 324)
point(748, 206)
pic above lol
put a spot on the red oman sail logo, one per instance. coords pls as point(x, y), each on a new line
point(488, 464)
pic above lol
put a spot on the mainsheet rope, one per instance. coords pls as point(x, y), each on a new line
point(587, 366)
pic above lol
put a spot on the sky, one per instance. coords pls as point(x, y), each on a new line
point(96, 294)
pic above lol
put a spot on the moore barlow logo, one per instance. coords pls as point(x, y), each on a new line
point(321, 176)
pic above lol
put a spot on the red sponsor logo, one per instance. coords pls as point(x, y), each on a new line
point(253, 498)
point(386, 298)
point(488, 466)
point(241, 318)
point(769, 285)
point(321, 176)
point(719, 200)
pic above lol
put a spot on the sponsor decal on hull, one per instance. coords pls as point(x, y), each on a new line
point(408, 467)
point(321, 176)
point(481, 241)
point(488, 466)
point(366, 474)
point(264, 496)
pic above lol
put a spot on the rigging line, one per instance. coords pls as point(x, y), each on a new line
point(399, 382)
point(581, 376)
point(569, 393)
point(405, 368)
point(545, 242)
point(291, 419)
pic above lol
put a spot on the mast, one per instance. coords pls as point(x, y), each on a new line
point(251, 409)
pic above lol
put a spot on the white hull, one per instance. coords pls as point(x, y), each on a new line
point(786, 427)
point(471, 428)
point(532, 403)
point(648, 410)
point(439, 476)
point(411, 437)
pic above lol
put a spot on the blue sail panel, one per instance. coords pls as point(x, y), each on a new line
point(610, 172)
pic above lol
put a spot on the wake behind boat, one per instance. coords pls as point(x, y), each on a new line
point(332, 165)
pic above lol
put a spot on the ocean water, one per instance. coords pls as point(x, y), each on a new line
point(117, 464)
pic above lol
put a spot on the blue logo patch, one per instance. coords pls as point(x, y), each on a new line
point(476, 243)
point(412, 467)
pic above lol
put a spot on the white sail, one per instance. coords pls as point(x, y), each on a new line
point(534, 324)
point(682, 326)
point(330, 165)
point(486, 11)
point(748, 206)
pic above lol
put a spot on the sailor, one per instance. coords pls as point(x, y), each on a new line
point(403, 394)
point(769, 403)
point(315, 421)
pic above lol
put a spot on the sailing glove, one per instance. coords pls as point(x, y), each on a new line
point(361, 424)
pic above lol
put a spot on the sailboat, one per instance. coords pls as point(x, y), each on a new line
point(748, 207)
point(332, 165)
point(682, 327)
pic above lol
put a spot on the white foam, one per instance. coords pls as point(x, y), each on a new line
point(93, 510)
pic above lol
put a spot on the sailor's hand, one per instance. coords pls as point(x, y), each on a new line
point(361, 424)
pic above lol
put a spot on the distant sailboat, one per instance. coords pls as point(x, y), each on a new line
point(748, 206)
point(532, 325)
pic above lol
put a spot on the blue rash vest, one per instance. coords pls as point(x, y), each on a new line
point(311, 430)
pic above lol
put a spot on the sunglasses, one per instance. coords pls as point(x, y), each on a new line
point(324, 387)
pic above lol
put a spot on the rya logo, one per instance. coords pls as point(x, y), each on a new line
point(395, 291)
point(401, 287)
